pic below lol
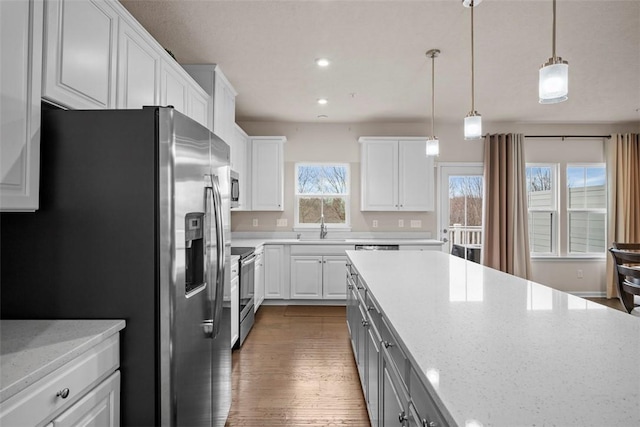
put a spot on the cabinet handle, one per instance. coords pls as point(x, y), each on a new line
point(426, 423)
point(365, 323)
point(370, 308)
point(349, 287)
point(402, 417)
point(64, 393)
point(387, 344)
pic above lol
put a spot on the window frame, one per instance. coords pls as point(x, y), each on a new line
point(347, 198)
point(555, 211)
point(568, 209)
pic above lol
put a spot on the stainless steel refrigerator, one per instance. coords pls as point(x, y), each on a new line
point(133, 224)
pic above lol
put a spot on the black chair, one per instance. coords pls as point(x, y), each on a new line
point(627, 261)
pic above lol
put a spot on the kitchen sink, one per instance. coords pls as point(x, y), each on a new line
point(318, 240)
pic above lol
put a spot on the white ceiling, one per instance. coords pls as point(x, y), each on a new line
point(379, 70)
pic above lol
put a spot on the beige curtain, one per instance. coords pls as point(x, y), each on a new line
point(623, 180)
point(505, 223)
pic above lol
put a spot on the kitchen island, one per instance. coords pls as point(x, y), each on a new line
point(492, 349)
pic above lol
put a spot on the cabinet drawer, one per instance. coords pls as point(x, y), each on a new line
point(39, 402)
point(320, 249)
point(390, 342)
point(424, 404)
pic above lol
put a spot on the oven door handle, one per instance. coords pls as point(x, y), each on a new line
point(251, 259)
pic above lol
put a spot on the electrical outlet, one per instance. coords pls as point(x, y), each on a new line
point(255, 222)
point(401, 223)
point(282, 222)
point(374, 223)
point(416, 223)
point(580, 275)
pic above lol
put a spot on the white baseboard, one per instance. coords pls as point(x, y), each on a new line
point(592, 294)
point(339, 302)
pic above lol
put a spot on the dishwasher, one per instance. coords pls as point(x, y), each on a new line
point(377, 247)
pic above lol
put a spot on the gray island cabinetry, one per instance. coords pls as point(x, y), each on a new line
point(441, 341)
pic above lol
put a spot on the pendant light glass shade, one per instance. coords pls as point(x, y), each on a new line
point(473, 126)
point(553, 85)
point(433, 147)
point(473, 121)
point(553, 81)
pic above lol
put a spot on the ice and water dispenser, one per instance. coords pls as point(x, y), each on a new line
point(194, 251)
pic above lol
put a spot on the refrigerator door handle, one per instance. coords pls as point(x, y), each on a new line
point(219, 289)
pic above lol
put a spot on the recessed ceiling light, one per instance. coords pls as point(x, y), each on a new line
point(323, 116)
point(322, 101)
point(322, 62)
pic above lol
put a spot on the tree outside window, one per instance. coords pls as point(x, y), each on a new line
point(322, 190)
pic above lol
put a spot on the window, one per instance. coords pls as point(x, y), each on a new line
point(322, 190)
point(586, 209)
point(542, 206)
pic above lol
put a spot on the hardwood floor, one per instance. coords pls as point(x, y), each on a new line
point(613, 302)
point(296, 368)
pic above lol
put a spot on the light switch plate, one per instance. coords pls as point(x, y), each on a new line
point(416, 223)
point(255, 222)
point(374, 223)
point(401, 223)
point(282, 222)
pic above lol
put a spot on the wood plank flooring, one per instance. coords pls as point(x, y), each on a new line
point(296, 368)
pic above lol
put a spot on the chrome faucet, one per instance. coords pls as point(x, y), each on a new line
point(323, 228)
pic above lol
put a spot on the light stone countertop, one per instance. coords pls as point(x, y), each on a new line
point(31, 349)
point(255, 242)
point(504, 351)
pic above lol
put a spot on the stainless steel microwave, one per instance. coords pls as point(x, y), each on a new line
point(235, 189)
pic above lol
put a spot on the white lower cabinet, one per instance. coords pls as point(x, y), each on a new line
point(99, 407)
point(259, 279)
point(83, 392)
point(275, 281)
point(318, 277)
point(234, 300)
point(395, 393)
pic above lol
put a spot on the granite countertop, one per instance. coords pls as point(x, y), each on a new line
point(31, 349)
point(504, 351)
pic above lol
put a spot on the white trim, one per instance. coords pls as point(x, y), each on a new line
point(590, 294)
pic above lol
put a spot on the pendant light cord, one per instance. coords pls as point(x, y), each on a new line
point(433, 94)
point(473, 108)
point(553, 38)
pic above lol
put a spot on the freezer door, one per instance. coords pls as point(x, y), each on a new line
point(188, 272)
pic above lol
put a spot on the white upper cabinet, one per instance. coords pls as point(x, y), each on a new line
point(396, 175)
point(138, 69)
point(267, 154)
point(80, 53)
point(173, 88)
point(20, 88)
point(240, 162)
point(223, 98)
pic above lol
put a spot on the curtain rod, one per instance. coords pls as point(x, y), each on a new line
point(568, 136)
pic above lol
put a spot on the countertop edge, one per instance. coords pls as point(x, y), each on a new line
point(31, 378)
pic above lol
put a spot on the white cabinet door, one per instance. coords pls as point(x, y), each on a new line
point(173, 88)
point(80, 54)
point(306, 277)
point(268, 173)
point(334, 277)
point(235, 310)
point(99, 407)
point(20, 89)
point(258, 292)
point(396, 175)
point(240, 163)
point(416, 176)
point(138, 69)
point(379, 176)
point(224, 107)
point(274, 280)
point(197, 105)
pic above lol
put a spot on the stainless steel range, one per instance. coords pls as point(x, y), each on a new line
point(246, 280)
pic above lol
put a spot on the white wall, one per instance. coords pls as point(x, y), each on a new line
point(328, 142)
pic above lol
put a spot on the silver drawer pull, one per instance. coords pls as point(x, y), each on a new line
point(402, 417)
point(387, 344)
point(64, 393)
point(365, 323)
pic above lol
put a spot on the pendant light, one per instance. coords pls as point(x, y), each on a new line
point(473, 121)
point(553, 83)
point(433, 145)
